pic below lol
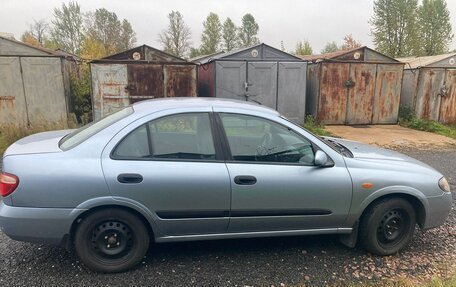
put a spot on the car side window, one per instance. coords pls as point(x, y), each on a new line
point(260, 140)
point(181, 136)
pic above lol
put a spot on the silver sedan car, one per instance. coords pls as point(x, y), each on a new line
point(197, 169)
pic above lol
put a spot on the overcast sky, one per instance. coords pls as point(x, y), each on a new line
point(319, 21)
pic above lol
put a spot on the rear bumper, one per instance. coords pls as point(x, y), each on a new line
point(439, 208)
point(38, 225)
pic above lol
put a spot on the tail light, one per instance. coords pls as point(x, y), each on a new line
point(8, 183)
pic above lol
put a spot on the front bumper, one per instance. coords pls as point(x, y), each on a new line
point(439, 208)
point(38, 225)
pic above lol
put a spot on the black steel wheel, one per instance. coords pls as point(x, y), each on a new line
point(388, 226)
point(111, 240)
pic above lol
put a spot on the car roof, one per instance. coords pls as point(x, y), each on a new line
point(187, 102)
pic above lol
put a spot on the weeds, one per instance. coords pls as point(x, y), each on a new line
point(313, 126)
point(408, 120)
point(9, 134)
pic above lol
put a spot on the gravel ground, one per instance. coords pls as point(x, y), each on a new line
point(309, 261)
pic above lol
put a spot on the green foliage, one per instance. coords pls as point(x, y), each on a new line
point(229, 35)
point(105, 27)
point(330, 47)
point(303, 48)
point(127, 39)
point(194, 52)
point(407, 119)
point(248, 31)
point(212, 35)
point(434, 27)
point(80, 95)
point(394, 27)
point(311, 124)
point(67, 27)
point(176, 38)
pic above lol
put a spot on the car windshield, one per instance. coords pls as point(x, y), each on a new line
point(78, 136)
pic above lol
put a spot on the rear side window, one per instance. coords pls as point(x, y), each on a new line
point(182, 136)
point(80, 135)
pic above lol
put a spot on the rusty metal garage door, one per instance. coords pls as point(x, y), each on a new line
point(332, 103)
point(359, 93)
point(448, 102)
point(387, 94)
point(118, 85)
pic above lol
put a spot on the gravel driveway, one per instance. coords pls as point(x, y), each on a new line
point(311, 261)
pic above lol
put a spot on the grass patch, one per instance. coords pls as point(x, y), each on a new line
point(408, 120)
point(315, 127)
point(9, 134)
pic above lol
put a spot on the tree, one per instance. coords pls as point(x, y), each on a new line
point(394, 27)
point(105, 27)
point(350, 43)
point(176, 38)
point(248, 31)
point(303, 48)
point(67, 31)
point(93, 49)
point(212, 34)
point(127, 36)
point(229, 35)
point(28, 38)
point(434, 27)
point(194, 52)
point(37, 32)
point(330, 47)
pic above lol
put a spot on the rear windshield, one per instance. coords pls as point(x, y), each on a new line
point(78, 136)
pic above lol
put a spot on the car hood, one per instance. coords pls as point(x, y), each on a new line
point(45, 142)
point(370, 152)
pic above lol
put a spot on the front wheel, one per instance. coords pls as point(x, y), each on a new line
point(111, 240)
point(388, 226)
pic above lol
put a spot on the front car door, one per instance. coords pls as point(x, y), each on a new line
point(275, 185)
point(170, 164)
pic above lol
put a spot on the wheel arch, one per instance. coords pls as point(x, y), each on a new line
point(417, 204)
point(95, 209)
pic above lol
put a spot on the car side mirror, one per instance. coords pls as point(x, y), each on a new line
point(321, 159)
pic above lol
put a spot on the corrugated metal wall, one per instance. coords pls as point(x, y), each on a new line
point(354, 93)
point(32, 90)
point(115, 86)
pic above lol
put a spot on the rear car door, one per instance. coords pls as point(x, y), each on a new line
point(171, 165)
point(275, 184)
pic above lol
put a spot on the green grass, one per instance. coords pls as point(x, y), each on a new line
point(408, 120)
point(313, 126)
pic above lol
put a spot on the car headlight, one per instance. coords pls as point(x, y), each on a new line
point(444, 185)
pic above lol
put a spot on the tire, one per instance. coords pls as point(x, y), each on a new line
point(388, 226)
point(111, 240)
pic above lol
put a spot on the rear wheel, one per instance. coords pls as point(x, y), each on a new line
point(111, 240)
point(388, 226)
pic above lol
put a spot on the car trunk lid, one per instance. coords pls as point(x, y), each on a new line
point(45, 142)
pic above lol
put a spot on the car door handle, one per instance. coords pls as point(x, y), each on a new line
point(245, 180)
point(129, 178)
